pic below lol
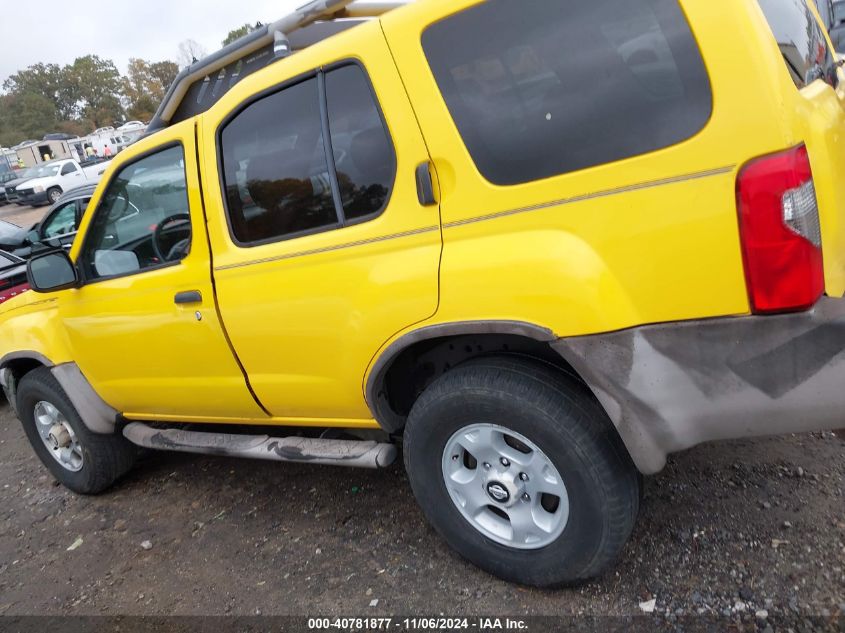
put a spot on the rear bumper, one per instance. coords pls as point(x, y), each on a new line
point(671, 386)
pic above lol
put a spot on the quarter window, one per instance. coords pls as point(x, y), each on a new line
point(279, 181)
point(543, 88)
point(143, 219)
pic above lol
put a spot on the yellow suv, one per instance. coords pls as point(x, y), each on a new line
point(542, 244)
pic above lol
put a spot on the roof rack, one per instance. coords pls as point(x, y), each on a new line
point(203, 83)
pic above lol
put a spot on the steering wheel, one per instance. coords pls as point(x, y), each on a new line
point(159, 231)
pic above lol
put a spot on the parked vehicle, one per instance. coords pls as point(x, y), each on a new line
point(56, 230)
point(12, 277)
point(23, 176)
point(55, 177)
point(543, 244)
point(825, 9)
point(11, 235)
point(837, 32)
point(6, 177)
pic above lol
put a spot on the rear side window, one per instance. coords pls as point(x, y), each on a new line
point(801, 40)
point(548, 87)
point(281, 182)
point(277, 179)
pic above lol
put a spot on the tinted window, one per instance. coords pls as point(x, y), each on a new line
point(362, 150)
point(801, 40)
point(142, 220)
point(548, 87)
point(68, 168)
point(274, 167)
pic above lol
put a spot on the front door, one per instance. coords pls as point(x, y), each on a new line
point(143, 327)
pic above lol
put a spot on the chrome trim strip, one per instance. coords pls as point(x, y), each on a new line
point(592, 196)
point(329, 249)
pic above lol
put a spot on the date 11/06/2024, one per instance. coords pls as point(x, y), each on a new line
point(417, 624)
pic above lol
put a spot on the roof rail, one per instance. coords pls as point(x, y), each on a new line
point(311, 23)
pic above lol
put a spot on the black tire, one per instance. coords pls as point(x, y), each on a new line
point(53, 195)
point(105, 457)
point(563, 419)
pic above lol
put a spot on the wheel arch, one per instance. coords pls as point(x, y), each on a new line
point(410, 363)
point(97, 415)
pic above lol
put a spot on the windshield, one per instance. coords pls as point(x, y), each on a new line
point(45, 171)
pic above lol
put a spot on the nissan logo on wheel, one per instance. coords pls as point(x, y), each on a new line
point(497, 491)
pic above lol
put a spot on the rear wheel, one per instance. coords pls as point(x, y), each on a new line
point(83, 461)
point(520, 470)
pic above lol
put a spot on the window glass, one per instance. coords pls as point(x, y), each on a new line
point(68, 168)
point(61, 222)
point(274, 167)
point(362, 150)
point(801, 40)
point(547, 87)
point(143, 218)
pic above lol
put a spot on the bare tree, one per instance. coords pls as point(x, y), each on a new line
point(190, 51)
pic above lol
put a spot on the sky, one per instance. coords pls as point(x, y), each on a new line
point(59, 31)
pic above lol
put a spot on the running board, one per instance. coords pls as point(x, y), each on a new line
point(354, 453)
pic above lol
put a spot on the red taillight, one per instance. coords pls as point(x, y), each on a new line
point(780, 233)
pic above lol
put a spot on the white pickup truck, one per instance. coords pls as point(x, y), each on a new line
point(54, 178)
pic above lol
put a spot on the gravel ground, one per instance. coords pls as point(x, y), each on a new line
point(23, 216)
point(728, 529)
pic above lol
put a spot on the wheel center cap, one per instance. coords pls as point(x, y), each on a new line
point(59, 436)
point(498, 492)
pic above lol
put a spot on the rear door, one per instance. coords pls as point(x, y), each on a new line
point(815, 115)
point(315, 272)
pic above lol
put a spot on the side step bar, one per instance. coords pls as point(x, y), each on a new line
point(357, 454)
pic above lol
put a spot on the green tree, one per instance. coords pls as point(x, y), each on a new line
point(238, 33)
point(145, 85)
point(25, 116)
point(98, 86)
point(49, 81)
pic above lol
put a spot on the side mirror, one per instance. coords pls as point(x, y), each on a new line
point(32, 237)
point(51, 272)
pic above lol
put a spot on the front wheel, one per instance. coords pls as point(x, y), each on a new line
point(54, 194)
point(82, 461)
point(518, 467)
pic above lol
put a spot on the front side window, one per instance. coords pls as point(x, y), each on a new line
point(143, 219)
point(547, 87)
point(801, 40)
point(61, 222)
point(278, 180)
point(68, 168)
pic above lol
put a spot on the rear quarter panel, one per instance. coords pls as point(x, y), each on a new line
point(652, 238)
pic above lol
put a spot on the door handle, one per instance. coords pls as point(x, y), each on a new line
point(189, 296)
point(425, 187)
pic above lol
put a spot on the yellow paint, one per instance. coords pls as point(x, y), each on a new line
point(605, 248)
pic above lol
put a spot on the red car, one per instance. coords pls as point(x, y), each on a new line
point(12, 276)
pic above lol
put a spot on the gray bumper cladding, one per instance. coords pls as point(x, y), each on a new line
point(669, 387)
point(358, 454)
